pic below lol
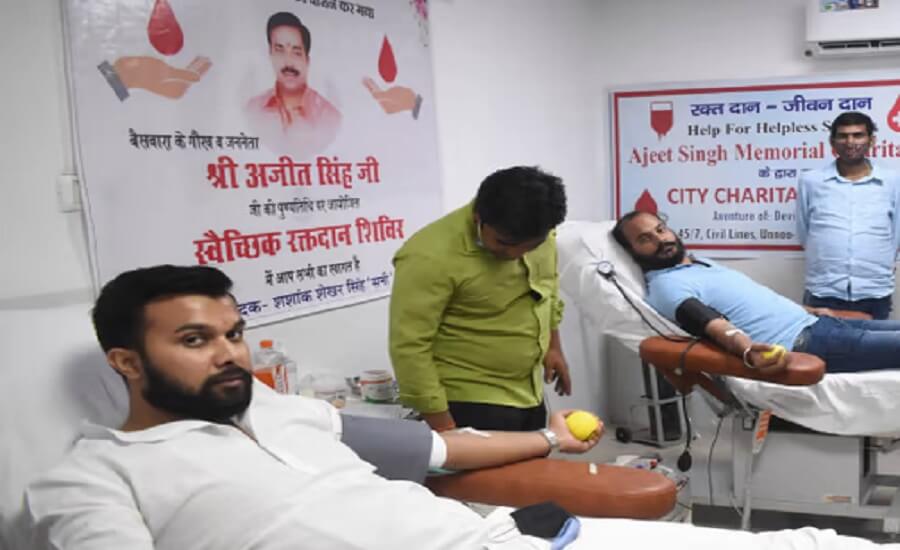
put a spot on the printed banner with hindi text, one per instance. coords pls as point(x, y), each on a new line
point(290, 143)
point(722, 160)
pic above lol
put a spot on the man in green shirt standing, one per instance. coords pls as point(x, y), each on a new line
point(475, 308)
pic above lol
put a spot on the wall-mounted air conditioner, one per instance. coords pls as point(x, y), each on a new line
point(852, 28)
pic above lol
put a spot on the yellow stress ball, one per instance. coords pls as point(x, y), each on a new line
point(776, 351)
point(582, 424)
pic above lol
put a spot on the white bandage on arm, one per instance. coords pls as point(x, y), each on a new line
point(438, 451)
point(439, 447)
point(473, 431)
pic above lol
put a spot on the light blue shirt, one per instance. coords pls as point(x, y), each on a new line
point(765, 315)
point(851, 232)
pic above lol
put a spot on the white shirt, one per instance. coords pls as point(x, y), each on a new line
point(198, 485)
point(193, 485)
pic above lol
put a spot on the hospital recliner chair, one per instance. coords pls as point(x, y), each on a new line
point(583, 489)
point(829, 448)
point(54, 376)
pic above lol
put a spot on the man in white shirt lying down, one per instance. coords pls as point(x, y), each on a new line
point(206, 459)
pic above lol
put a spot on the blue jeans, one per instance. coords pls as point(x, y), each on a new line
point(852, 345)
point(878, 308)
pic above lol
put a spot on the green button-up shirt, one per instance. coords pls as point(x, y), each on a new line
point(466, 326)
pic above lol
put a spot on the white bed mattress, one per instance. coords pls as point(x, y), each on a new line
point(53, 375)
point(846, 404)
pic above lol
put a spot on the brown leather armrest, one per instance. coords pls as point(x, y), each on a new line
point(614, 491)
point(803, 369)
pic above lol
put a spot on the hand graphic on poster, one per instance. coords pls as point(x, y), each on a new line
point(152, 74)
point(394, 99)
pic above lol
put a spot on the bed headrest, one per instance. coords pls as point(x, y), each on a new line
point(585, 242)
point(54, 376)
point(583, 246)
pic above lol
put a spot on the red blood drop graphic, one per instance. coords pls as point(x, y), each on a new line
point(387, 65)
point(645, 203)
point(662, 117)
point(164, 30)
point(893, 117)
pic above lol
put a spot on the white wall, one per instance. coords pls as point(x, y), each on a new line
point(43, 251)
point(512, 88)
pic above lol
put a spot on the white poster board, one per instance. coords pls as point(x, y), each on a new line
point(722, 159)
point(297, 168)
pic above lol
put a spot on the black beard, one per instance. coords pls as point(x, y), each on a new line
point(654, 262)
point(206, 404)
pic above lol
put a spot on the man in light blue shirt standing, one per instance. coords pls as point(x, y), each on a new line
point(847, 221)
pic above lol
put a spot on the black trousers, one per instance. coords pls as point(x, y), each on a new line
point(484, 416)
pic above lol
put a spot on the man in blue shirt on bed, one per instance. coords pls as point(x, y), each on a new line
point(743, 317)
point(847, 220)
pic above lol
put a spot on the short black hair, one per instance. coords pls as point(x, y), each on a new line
point(287, 19)
point(522, 202)
point(618, 232)
point(118, 313)
point(852, 118)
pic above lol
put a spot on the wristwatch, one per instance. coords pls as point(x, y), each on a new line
point(550, 435)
